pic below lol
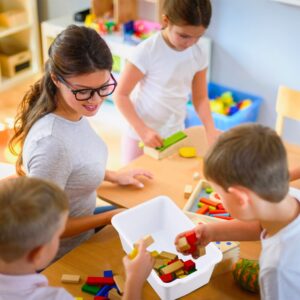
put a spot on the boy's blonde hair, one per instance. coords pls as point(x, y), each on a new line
point(252, 156)
point(30, 213)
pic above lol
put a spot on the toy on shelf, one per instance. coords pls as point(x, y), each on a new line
point(226, 105)
point(136, 31)
point(206, 202)
point(246, 273)
point(103, 25)
point(170, 145)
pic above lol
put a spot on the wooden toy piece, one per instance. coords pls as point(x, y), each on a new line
point(100, 298)
point(201, 251)
point(133, 253)
point(188, 189)
point(209, 202)
point(188, 152)
point(179, 273)
point(78, 298)
point(208, 190)
point(148, 239)
point(191, 237)
point(196, 175)
point(167, 277)
point(203, 210)
point(154, 253)
point(215, 197)
point(172, 267)
point(100, 281)
point(170, 146)
point(104, 291)
point(189, 265)
point(183, 244)
point(159, 262)
point(91, 289)
point(68, 278)
point(168, 255)
point(113, 295)
point(108, 273)
point(120, 283)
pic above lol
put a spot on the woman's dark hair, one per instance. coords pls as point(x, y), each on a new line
point(76, 50)
point(188, 12)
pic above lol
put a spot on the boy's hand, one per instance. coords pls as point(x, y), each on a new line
point(151, 138)
point(203, 236)
point(138, 269)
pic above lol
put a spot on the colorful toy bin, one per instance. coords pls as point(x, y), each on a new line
point(229, 107)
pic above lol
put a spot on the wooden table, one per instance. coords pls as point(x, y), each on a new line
point(104, 252)
point(171, 174)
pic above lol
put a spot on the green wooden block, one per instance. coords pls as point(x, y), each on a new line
point(91, 289)
point(171, 140)
point(209, 190)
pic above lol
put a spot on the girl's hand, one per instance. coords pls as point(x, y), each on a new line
point(212, 136)
point(203, 235)
point(151, 138)
point(132, 177)
point(138, 269)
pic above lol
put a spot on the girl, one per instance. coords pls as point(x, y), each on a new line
point(57, 142)
point(165, 68)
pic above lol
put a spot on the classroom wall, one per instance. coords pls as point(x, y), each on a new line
point(49, 9)
point(256, 47)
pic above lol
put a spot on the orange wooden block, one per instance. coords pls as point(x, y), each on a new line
point(208, 202)
point(202, 210)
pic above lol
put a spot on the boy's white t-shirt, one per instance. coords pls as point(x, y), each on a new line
point(30, 287)
point(160, 97)
point(279, 274)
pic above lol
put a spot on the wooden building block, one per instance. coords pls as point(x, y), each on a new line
point(188, 189)
point(68, 278)
point(159, 262)
point(172, 267)
point(120, 282)
point(100, 281)
point(167, 255)
point(148, 239)
point(113, 295)
point(201, 251)
point(183, 245)
point(91, 289)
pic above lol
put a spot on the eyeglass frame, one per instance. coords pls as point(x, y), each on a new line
point(92, 91)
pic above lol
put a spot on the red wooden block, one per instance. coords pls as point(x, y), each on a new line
point(218, 211)
point(192, 249)
point(189, 265)
point(191, 237)
point(100, 298)
point(167, 277)
point(220, 206)
point(100, 281)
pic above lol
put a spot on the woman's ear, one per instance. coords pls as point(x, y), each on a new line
point(55, 80)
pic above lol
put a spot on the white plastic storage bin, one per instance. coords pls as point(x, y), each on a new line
point(161, 218)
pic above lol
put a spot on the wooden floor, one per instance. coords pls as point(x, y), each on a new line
point(110, 132)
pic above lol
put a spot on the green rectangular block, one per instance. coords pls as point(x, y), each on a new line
point(91, 289)
point(171, 140)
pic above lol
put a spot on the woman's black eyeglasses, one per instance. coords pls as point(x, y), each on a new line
point(88, 93)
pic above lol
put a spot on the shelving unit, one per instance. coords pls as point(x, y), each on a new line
point(19, 41)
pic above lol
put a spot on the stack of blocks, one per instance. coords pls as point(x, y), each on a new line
point(109, 286)
point(167, 265)
point(188, 244)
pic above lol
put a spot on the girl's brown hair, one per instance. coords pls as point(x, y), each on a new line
point(76, 50)
point(188, 12)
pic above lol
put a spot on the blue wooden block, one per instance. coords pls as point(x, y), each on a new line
point(104, 290)
point(108, 273)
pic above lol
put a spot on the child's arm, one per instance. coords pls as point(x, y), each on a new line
point(131, 177)
point(295, 174)
point(75, 226)
point(201, 104)
point(137, 271)
point(128, 80)
point(234, 230)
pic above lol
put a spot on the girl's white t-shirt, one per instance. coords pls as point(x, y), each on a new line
point(160, 97)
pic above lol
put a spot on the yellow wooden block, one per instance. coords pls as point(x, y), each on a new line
point(177, 265)
point(188, 152)
point(154, 253)
point(179, 273)
point(133, 253)
point(182, 276)
point(69, 278)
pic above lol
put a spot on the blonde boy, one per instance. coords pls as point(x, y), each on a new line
point(33, 214)
point(248, 168)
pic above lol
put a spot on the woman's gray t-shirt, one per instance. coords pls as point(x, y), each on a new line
point(74, 157)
